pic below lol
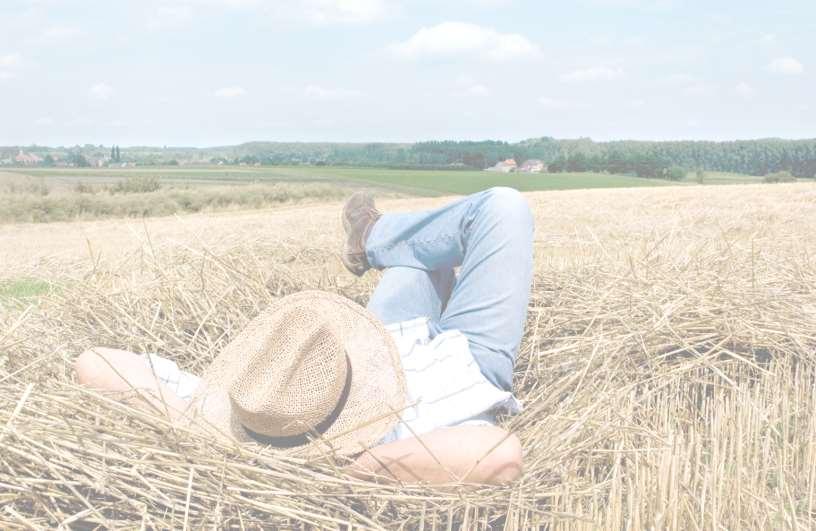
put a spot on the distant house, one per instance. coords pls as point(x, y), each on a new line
point(504, 166)
point(532, 166)
point(27, 159)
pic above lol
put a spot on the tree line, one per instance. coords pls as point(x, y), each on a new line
point(645, 159)
point(642, 158)
point(668, 159)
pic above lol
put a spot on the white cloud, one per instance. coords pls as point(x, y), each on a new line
point(471, 86)
point(330, 94)
point(552, 104)
point(786, 66)
point(745, 91)
point(319, 12)
point(631, 4)
point(230, 3)
point(58, 34)
point(230, 92)
point(481, 4)
point(460, 38)
point(596, 73)
point(170, 17)
point(80, 121)
point(478, 90)
point(101, 91)
point(44, 121)
point(768, 38)
point(9, 63)
point(700, 88)
point(339, 11)
point(678, 79)
point(637, 103)
point(11, 60)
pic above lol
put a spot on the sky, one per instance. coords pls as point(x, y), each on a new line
point(220, 72)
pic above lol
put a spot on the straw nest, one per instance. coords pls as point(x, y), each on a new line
point(667, 372)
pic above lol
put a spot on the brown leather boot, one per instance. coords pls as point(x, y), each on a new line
point(359, 215)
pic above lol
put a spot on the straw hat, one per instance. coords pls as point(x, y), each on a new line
point(314, 373)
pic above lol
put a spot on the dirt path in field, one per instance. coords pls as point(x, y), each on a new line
point(571, 226)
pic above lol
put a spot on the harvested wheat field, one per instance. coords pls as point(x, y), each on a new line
point(668, 371)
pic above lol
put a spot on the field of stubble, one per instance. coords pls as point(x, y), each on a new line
point(668, 370)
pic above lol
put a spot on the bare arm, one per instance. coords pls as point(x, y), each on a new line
point(122, 371)
point(466, 454)
point(461, 454)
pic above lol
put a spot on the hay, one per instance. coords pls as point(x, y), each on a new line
point(667, 371)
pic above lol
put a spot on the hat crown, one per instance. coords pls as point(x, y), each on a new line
point(292, 381)
point(355, 346)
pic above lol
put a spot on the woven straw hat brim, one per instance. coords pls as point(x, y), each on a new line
point(377, 391)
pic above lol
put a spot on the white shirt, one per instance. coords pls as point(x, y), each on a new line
point(445, 386)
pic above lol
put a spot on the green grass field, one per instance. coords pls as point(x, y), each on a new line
point(23, 288)
point(722, 177)
point(466, 182)
point(417, 182)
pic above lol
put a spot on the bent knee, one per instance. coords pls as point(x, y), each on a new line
point(509, 204)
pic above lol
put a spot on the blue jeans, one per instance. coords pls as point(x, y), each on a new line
point(489, 235)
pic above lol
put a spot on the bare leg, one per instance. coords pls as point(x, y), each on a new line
point(116, 370)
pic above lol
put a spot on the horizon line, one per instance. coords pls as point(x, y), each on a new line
point(382, 142)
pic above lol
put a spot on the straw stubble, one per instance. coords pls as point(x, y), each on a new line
point(667, 374)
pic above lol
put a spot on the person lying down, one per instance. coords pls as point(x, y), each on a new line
point(409, 387)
